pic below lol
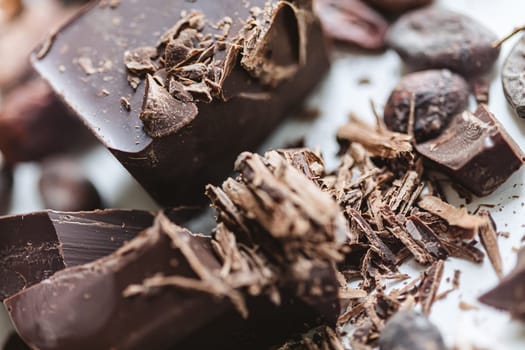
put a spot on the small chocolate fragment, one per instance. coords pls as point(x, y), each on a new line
point(409, 330)
point(397, 6)
point(475, 150)
point(34, 124)
point(14, 342)
point(513, 79)
point(353, 22)
point(34, 246)
point(439, 38)
point(6, 184)
point(488, 236)
point(509, 294)
point(244, 67)
point(436, 95)
point(64, 187)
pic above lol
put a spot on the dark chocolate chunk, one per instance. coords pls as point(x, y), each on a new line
point(509, 294)
point(409, 330)
point(64, 186)
point(353, 22)
point(166, 288)
point(163, 114)
point(439, 38)
point(35, 246)
point(475, 150)
point(260, 61)
point(436, 96)
point(512, 77)
point(6, 184)
point(397, 6)
point(34, 124)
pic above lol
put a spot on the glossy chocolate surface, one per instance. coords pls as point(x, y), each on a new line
point(174, 169)
point(35, 246)
point(475, 150)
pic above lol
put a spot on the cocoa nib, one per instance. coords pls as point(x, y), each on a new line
point(431, 98)
point(353, 22)
point(439, 38)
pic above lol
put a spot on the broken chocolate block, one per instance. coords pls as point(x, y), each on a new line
point(220, 79)
point(166, 288)
point(409, 330)
point(475, 150)
point(64, 187)
point(509, 294)
point(35, 246)
point(34, 124)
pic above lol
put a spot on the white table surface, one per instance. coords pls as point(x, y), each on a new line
point(336, 97)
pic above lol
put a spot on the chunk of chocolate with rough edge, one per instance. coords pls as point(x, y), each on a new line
point(438, 95)
point(512, 77)
point(409, 330)
point(35, 124)
point(105, 316)
point(35, 246)
point(475, 150)
point(174, 169)
point(439, 38)
point(509, 294)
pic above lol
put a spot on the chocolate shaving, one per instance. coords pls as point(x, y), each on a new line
point(489, 239)
point(429, 286)
point(468, 225)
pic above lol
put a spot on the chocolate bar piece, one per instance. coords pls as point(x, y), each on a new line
point(509, 294)
point(164, 289)
point(212, 78)
point(35, 246)
point(475, 150)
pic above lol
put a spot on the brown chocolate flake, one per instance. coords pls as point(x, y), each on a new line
point(489, 239)
point(380, 143)
point(162, 114)
point(468, 225)
point(429, 286)
point(464, 306)
point(87, 65)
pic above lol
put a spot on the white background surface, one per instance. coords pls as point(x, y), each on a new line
point(337, 96)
